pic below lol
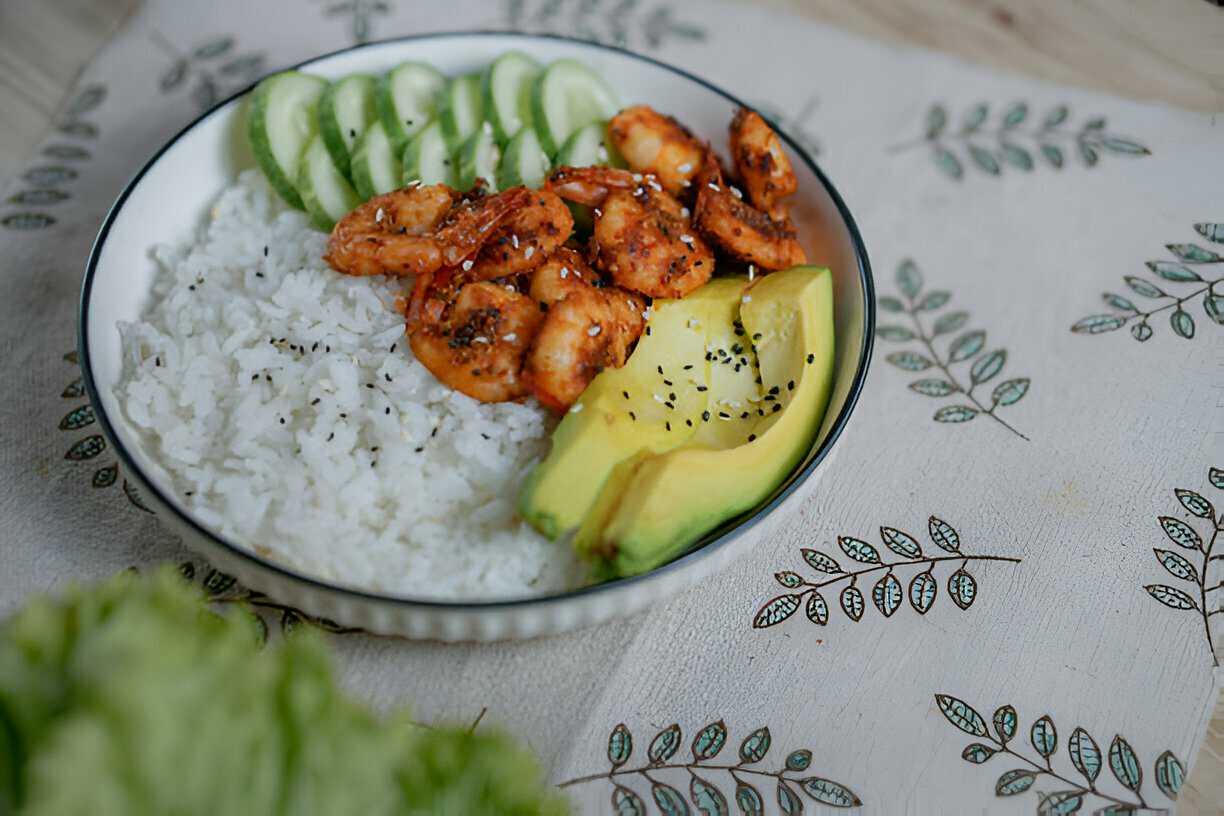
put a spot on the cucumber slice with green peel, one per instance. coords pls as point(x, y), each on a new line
point(565, 97)
point(505, 89)
point(325, 191)
point(281, 120)
point(461, 110)
point(588, 147)
point(427, 159)
point(346, 109)
point(376, 166)
point(523, 162)
point(407, 98)
point(478, 157)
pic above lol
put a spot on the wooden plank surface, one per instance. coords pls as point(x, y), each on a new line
point(1169, 51)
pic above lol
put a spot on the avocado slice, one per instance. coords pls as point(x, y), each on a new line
point(656, 504)
point(653, 403)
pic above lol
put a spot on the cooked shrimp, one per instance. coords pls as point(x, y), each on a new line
point(653, 143)
point(417, 230)
point(583, 333)
point(478, 345)
point(522, 240)
point(761, 164)
point(643, 237)
point(742, 230)
point(564, 272)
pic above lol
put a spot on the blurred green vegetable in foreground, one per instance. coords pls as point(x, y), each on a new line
point(133, 698)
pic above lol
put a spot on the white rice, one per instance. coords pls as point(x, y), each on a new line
point(291, 418)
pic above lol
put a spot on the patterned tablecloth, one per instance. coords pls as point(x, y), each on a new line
point(1012, 551)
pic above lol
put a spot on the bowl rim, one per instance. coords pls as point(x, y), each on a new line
point(721, 536)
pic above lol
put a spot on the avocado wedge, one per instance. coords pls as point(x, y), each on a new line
point(655, 504)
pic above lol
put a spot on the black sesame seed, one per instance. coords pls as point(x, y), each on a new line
point(393, 347)
point(660, 369)
point(756, 336)
point(282, 420)
point(268, 377)
point(386, 376)
point(192, 287)
point(331, 436)
point(703, 388)
point(668, 382)
point(625, 394)
point(744, 415)
point(484, 435)
point(344, 416)
point(688, 422)
point(315, 401)
point(737, 367)
point(777, 406)
point(811, 358)
point(672, 396)
point(751, 437)
point(689, 366)
point(433, 433)
point(374, 449)
point(705, 416)
point(790, 386)
point(418, 450)
point(769, 398)
point(369, 385)
point(724, 415)
point(667, 425)
point(632, 416)
point(758, 379)
point(259, 274)
point(315, 347)
point(647, 331)
point(327, 349)
point(255, 376)
point(670, 406)
point(265, 252)
point(774, 390)
point(760, 412)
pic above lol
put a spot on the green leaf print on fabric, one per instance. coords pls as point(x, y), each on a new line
point(706, 777)
point(888, 594)
point(985, 364)
point(1014, 139)
point(1198, 271)
point(1038, 772)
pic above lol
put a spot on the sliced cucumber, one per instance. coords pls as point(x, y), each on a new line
point(588, 146)
point(523, 162)
point(376, 166)
point(346, 109)
point(427, 159)
point(280, 123)
point(461, 110)
point(407, 99)
point(565, 97)
point(325, 191)
point(478, 157)
point(505, 90)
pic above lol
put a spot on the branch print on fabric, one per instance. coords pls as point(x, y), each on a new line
point(220, 588)
point(45, 184)
point(92, 446)
point(1197, 271)
point(615, 22)
point(887, 593)
point(359, 15)
point(1195, 544)
point(966, 349)
point(745, 780)
point(1070, 792)
point(991, 142)
point(211, 70)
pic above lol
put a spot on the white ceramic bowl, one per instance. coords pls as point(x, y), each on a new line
point(178, 185)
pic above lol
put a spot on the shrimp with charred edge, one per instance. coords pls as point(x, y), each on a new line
point(523, 239)
point(585, 330)
point(643, 237)
point(476, 345)
point(656, 144)
point(742, 230)
point(418, 230)
point(762, 166)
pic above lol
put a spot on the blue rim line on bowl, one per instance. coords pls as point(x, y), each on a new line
point(714, 540)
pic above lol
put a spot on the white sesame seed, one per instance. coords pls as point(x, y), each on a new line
point(686, 183)
point(467, 266)
point(510, 337)
point(514, 240)
point(685, 212)
point(577, 274)
point(686, 239)
point(487, 126)
point(713, 186)
point(694, 323)
point(658, 398)
point(637, 176)
point(379, 216)
point(654, 185)
point(751, 271)
point(413, 183)
point(746, 299)
point(684, 168)
point(598, 213)
point(510, 288)
point(594, 330)
point(564, 272)
point(530, 251)
point(735, 192)
point(577, 407)
point(480, 339)
point(602, 153)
